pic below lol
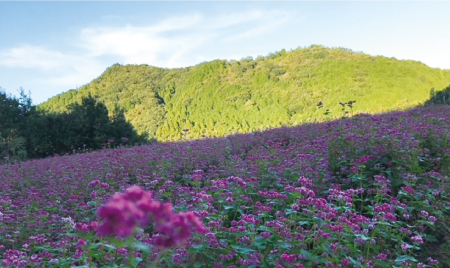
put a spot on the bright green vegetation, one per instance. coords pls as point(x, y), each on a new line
point(222, 97)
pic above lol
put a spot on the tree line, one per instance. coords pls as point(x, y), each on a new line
point(26, 132)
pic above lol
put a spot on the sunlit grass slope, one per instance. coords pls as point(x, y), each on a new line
point(222, 97)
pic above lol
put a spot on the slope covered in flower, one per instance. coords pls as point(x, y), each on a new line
point(369, 191)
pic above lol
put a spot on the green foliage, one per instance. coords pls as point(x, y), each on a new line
point(14, 116)
point(86, 126)
point(222, 97)
point(27, 133)
point(441, 97)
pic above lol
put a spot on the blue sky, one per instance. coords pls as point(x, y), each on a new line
point(50, 47)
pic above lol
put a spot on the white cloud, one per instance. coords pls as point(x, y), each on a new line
point(232, 19)
point(168, 43)
point(157, 45)
point(137, 45)
point(58, 68)
point(269, 21)
point(78, 76)
point(32, 57)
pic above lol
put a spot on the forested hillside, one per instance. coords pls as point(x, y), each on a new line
point(221, 97)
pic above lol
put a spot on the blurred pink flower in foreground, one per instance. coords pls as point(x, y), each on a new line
point(135, 207)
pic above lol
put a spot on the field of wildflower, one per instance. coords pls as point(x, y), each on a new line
point(366, 191)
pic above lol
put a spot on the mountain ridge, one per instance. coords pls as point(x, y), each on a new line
point(220, 97)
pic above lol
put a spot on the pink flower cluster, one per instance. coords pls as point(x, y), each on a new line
point(14, 258)
point(135, 207)
point(272, 194)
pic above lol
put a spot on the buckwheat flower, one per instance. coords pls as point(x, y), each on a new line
point(265, 234)
point(120, 215)
point(214, 223)
point(197, 175)
point(230, 200)
point(133, 193)
point(424, 213)
point(244, 239)
point(278, 264)
point(407, 264)
point(242, 229)
point(390, 217)
point(93, 226)
point(94, 183)
point(381, 256)
point(249, 218)
point(334, 247)
point(345, 263)
point(81, 243)
point(421, 265)
point(302, 257)
point(177, 258)
point(408, 189)
point(405, 247)
point(305, 182)
point(70, 221)
point(432, 219)
point(381, 180)
point(432, 261)
point(124, 212)
point(82, 227)
point(288, 258)
point(53, 261)
point(417, 239)
point(179, 228)
point(35, 258)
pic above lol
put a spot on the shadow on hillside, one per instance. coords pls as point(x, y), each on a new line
point(85, 127)
point(240, 143)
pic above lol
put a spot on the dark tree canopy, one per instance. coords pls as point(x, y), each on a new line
point(25, 132)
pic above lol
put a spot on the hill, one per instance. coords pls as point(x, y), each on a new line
point(222, 97)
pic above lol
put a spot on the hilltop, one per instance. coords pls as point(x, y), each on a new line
point(282, 89)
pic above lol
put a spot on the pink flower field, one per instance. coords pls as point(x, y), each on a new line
point(367, 191)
